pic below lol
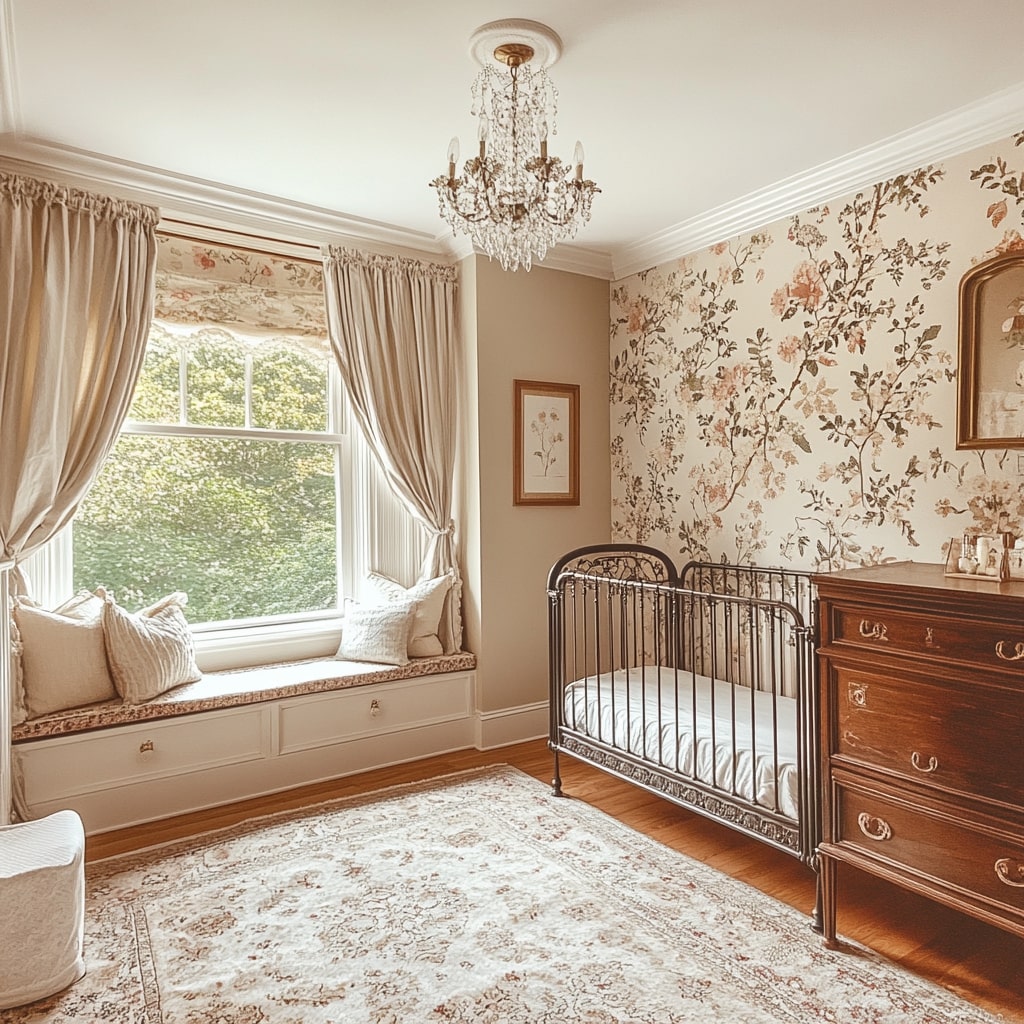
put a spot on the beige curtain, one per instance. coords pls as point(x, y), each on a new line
point(76, 295)
point(391, 322)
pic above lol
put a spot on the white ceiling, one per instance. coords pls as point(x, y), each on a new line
point(684, 107)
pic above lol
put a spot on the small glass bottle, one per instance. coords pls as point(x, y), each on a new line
point(968, 555)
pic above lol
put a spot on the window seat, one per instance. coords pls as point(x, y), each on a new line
point(240, 734)
point(237, 687)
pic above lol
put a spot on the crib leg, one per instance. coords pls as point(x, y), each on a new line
point(556, 782)
point(817, 922)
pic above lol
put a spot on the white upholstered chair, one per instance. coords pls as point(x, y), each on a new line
point(42, 907)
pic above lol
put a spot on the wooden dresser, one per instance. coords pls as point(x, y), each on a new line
point(922, 730)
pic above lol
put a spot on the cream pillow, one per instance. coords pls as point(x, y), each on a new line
point(63, 658)
point(429, 594)
point(377, 633)
point(149, 651)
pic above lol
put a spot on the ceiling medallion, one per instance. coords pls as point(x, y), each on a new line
point(513, 199)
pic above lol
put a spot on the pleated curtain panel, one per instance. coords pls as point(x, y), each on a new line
point(391, 322)
point(76, 297)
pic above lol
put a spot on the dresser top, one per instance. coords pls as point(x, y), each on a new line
point(925, 580)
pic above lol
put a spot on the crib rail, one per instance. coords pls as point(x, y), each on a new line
point(697, 685)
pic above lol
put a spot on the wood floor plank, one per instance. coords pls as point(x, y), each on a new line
point(981, 963)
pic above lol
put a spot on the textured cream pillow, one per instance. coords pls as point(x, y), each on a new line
point(377, 633)
point(149, 651)
point(429, 594)
point(63, 659)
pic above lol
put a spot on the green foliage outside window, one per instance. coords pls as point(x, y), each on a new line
point(246, 527)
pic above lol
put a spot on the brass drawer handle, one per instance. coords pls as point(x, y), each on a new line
point(146, 749)
point(1005, 868)
point(375, 708)
point(1018, 651)
point(874, 828)
point(874, 630)
point(915, 760)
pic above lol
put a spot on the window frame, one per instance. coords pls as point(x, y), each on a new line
point(375, 531)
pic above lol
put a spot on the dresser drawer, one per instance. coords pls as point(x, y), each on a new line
point(962, 861)
point(981, 645)
point(69, 766)
point(964, 739)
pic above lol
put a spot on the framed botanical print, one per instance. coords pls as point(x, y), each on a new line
point(990, 404)
point(546, 444)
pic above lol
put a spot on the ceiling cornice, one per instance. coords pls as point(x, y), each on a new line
point(987, 120)
point(10, 111)
point(179, 196)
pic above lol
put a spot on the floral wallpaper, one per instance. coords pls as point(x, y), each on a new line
point(789, 396)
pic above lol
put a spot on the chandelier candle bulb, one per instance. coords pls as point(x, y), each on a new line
point(453, 157)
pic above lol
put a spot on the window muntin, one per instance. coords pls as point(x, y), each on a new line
point(193, 497)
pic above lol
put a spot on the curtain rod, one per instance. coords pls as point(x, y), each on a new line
point(180, 231)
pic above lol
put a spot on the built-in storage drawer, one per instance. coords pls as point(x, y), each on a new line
point(961, 738)
point(984, 645)
point(963, 860)
point(339, 716)
point(84, 763)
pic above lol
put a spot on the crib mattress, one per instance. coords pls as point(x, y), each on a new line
point(740, 741)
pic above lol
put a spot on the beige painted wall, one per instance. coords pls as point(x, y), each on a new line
point(543, 325)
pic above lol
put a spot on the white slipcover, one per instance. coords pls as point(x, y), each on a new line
point(42, 907)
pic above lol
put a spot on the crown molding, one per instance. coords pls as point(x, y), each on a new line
point(573, 259)
point(976, 124)
point(182, 197)
point(10, 110)
point(577, 259)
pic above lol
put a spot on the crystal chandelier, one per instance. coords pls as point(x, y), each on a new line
point(513, 199)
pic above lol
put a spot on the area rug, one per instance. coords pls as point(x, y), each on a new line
point(476, 897)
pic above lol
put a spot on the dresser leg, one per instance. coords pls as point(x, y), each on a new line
point(828, 878)
point(816, 924)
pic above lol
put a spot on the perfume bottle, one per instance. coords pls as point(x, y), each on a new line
point(983, 552)
point(968, 555)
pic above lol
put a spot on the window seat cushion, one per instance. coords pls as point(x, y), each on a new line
point(237, 687)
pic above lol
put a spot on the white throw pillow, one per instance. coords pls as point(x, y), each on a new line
point(429, 594)
point(63, 658)
point(377, 633)
point(150, 651)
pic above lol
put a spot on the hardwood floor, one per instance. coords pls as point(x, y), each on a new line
point(981, 963)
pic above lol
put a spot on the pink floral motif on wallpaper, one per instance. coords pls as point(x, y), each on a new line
point(790, 395)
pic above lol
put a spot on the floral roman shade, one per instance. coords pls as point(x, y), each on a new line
point(248, 292)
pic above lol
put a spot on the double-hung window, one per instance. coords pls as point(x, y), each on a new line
point(238, 476)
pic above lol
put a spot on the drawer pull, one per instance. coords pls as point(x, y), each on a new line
point(146, 749)
point(857, 695)
point(1018, 650)
point(874, 828)
point(915, 760)
point(1006, 868)
point(375, 708)
point(874, 630)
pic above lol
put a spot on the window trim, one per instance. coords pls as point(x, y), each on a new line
point(375, 530)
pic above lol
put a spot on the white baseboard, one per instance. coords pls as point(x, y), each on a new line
point(511, 725)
